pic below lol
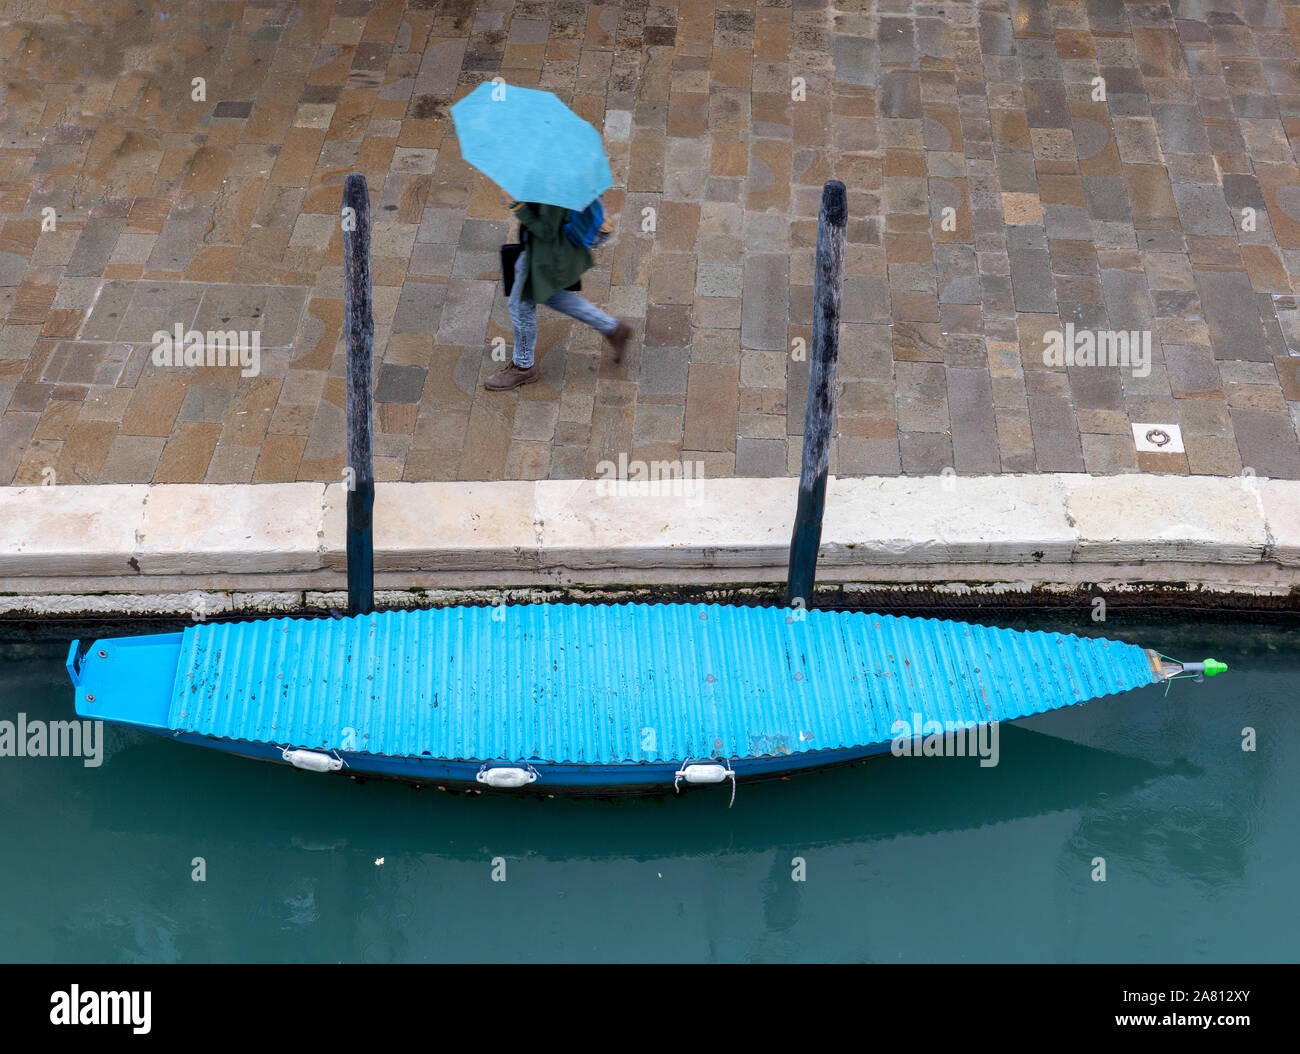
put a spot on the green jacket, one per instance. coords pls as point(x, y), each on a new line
point(554, 262)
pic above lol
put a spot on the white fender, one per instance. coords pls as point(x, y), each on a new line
point(507, 776)
point(312, 760)
point(698, 773)
point(705, 772)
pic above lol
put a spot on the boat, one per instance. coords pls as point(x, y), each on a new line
point(569, 698)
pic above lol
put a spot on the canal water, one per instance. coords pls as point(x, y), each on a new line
point(895, 860)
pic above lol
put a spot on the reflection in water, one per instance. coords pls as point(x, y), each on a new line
point(877, 800)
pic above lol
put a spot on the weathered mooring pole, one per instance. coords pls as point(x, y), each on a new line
point(828, 288)
point(359, 326)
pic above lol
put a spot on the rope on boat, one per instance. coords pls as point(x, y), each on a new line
point(705, 772)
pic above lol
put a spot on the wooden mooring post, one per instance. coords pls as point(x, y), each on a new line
point(359, 326)
point(819, 417)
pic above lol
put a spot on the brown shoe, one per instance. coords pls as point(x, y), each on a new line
point(619, 338)
point(511, 377)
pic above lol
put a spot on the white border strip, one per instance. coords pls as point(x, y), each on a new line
point(1047, 528)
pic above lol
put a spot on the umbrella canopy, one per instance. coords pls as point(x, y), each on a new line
point(534, 146)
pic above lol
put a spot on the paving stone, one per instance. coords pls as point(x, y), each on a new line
point(1202, 209)
point(972, 420)
point(1057, 445)
point(760, 457)
point(419, 310)
point(922, 397)
point(1107, 198)
point(1031, 280)
point(765, 301)
point(1267, 442)
point(206, 404)
point(1153, 202)
point(441, 225)
point(1212, 455)
point(75, 362)
point(868, 457)
point(132, 459)
point(16, 432)
point(925, 453)
point(868, 299)
point(400, 384)
point(1235, 333)
point(90, 257)
point(1180, 129)
point(667, 325)
point(465, 312)
point(1105, 455)
point(1192, 373)
point(711, 407)
point(855, 60)
point(763, 369)
point(535, 421)
point(659, 423)
point(718, 281)
point(664, 370)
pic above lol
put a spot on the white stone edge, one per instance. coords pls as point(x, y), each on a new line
point(167, 538)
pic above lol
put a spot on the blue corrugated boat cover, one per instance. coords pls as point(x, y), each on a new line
point(608, 684)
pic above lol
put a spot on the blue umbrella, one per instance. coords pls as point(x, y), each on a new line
point(531, 144)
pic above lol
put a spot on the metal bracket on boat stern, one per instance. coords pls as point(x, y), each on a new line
point(506, 776)
point(706, 772)
point(1173, 669)
point(76, 656)
point(313, 760)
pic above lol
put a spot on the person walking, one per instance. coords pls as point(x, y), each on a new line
point(545, 273)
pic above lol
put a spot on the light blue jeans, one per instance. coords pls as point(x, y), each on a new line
point(523, 313)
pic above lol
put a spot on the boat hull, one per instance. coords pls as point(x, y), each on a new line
point(569, 780)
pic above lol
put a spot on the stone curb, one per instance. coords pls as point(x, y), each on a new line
point(170, 539)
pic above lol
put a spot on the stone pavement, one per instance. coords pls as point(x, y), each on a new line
point(995, 195)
